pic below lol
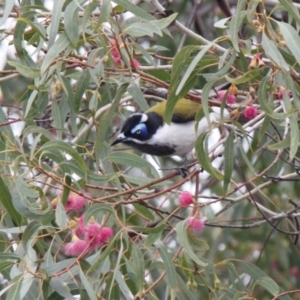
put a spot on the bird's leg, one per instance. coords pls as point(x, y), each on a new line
point(183, 172)
point(188, 161)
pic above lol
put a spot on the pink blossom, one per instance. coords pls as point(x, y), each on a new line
point(185, 199)
point(92, 234)
point(294, 271)
point(96, 235)
point(250, 112)
point(195, 224)
point(76, 247)
point(106, 233)
point(230, 99)
point(75, 202)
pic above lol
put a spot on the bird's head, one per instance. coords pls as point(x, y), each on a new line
point(139, 128)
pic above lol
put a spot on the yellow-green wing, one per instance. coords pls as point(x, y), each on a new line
point(185, 110)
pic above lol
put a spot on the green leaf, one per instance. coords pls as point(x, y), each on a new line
point(72, 21)
point(269, 284)
point(61, 217)
point(7, 256)
point(169, 265)
point(95, 209)
point(291, 38)
point(55, 21)
point(138, 96)
point(262, 92)
point(87, 286)
point(164, 22)
point(57, 119)
point(24, 70)
point(8, 6)
point(105, 12)
point(235, 278)
point(81, 87)
point(280, 145)
point(138, 265)
point(60, 287)
point(192, 66)
point(257, 274)
point(105, 121)
point(203, 157)
point(180, 62)
point(129, 159)
point(250, 75)
point(6, 202)
point(60, 45)
point(292, 10)
point(134, 9)
point(64, 147)
point(30, 232)
point(235, 24)
point(144, 211)
point(228, 161)
point(181, 229)
point(271, 50)
point(143, 28)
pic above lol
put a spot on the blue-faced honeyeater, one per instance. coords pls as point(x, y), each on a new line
point(149, 133)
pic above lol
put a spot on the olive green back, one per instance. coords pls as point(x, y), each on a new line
point(185, 110)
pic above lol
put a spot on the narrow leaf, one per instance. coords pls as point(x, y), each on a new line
point(273, 53)
point(6, 202)
point(61, 44)
point(203, 157)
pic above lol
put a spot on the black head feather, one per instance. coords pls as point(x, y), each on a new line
point(153, 122)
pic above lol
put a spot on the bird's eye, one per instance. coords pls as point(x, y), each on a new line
point(140, 129)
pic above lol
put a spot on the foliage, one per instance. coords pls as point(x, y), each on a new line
point(77, 70)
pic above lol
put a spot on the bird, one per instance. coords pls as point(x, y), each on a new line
point(148, 133)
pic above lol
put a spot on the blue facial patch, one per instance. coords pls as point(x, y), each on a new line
point(140, 129)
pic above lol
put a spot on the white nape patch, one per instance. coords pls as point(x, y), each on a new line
point(144, 118)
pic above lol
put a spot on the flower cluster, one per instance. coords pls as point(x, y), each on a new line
point(117, 57)
point(87, 238)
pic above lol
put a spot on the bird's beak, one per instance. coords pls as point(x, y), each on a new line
point(121, 137)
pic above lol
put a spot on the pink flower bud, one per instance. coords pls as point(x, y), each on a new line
point(250, 112)
point(75, 202)
point(195, 224)
point(230, 99)
point(105, 234)
point(185, 199)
